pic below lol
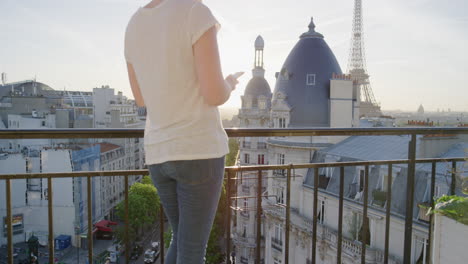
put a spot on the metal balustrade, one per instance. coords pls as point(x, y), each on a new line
point(342, 244)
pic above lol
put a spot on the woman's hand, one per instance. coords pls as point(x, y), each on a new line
point(232, 79)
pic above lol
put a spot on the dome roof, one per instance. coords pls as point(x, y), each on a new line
point(258, 86)
point(27, 86)
point(259, 43)
point(311, 60)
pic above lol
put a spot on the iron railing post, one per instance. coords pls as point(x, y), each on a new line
point(9, 226)
point(288, 215)
point(314, 216)
point(51, 220)
point(228, 217)
point(432, 204)
point(365, 219)
point(259, 218)
point(387, 212)
point(127, 221)
point(340, 217)
point(410, 200)
point(453, 183)
point(90, 220)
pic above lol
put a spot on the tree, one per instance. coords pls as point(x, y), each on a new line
point(147, 180)
point(143, 208)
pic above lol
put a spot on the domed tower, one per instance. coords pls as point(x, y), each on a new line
point(256, 101)
point(302, 92)
point(311, 91)
point(255, 113)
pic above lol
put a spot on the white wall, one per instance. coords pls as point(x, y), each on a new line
point(341, 103)
point(449, 241)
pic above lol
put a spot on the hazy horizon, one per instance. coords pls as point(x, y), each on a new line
point(415, 50)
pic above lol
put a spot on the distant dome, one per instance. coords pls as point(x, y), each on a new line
point(421, 109)
point(259, 43)
point(26, 88)
point(258, 86)
point(305, 80)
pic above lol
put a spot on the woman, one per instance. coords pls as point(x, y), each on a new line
point(174, 70)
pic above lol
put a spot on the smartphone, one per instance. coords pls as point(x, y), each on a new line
point(237, 75)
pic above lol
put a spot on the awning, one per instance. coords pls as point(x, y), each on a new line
point(103, 225)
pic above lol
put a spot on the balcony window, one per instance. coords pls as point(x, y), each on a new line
point(280, 195)
point(321, 211)
point(245, 208)
point(277, 239)
point(421, 251)
point(246, 158)
point(261, 159)
point(280, 159)
point(282, 122)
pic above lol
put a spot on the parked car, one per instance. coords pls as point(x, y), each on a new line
point(151, 256)
point(155, 246)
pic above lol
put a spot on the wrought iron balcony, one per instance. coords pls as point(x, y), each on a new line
point(277, 244)
point(342, 245)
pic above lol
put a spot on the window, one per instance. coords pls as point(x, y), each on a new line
point(262, 104)
point(310, 79)
point(277, 239)
point(280, 195)
point(278, 235)
point(261, 159)
point(261, 144)
point(321, 211)
point(280, 161)
point(282, 122)
point(246, 143)
point(421, 248)
point(246, 158)
point(255, 103)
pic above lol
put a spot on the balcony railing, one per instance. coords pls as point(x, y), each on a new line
point(285, 210)
point(277, 244)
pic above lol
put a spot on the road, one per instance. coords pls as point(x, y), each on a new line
point(152, 236)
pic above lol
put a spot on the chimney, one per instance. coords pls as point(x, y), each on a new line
point(4, 78)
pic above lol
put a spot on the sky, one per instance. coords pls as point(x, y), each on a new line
point(416, 50)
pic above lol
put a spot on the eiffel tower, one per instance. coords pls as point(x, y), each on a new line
point(357, 66)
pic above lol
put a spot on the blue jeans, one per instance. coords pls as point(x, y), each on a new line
point(189, 191)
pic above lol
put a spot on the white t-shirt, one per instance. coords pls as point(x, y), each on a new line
point(158, 43)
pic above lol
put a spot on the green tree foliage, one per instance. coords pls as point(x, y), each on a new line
point(167, 237)
point(233, 150)
point(147, 180)
point(455, 207)
point(143, 208)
